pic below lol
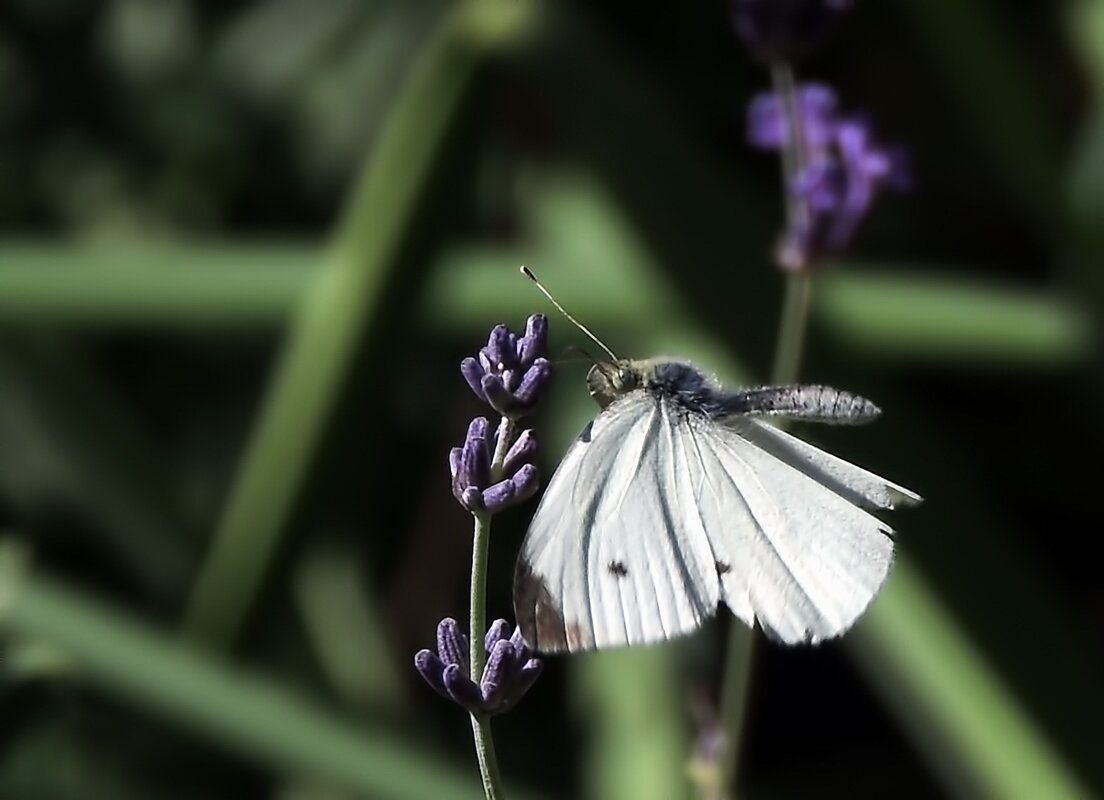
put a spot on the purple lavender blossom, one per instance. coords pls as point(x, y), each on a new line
point(509, 673)
point(511, 371)
point(470, 466)
point(816, 106)
point(844, 170)
point(508, 374)
point(784, 30)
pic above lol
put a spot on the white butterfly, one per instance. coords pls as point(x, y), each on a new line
point(679, 495)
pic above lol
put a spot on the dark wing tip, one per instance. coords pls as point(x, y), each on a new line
point(538, 615)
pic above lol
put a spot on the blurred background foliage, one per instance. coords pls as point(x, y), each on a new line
point(244, 247)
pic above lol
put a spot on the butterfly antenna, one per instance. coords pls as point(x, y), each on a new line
point(528, 273)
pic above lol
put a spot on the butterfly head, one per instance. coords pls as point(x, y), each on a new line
point(609, 380)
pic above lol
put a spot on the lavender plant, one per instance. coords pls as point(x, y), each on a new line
point(833, 171)
point(838, 168)
point(488, 670)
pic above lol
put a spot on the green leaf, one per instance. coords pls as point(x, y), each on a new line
point(343, 302)
point(970, 727)
point(171, 286)
point(921, 315)
point(243, 712)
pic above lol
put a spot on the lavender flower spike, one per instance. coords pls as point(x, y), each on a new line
point(471, 473)
point(816, 106)
point(508, 675)
point(844, 170)
point(510, 373)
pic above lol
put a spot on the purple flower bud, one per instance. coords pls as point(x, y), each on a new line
point(533, 344)
point(499, 397)
point(532, 386)
point(501, 349)
point(462, 689)
point(455, 460)
point(502, 375)
point(501, 666)
point(431, 668)
point(508, 674)
point(500, 629)
point(844, 171)
point(526, 482)
point(452, 644)
point(470, 467)
point(473, 467)
point(839, 189)
point(784, 30)
point(768, 125)
point(512, 491)
point(522, 451)
point(473, 373)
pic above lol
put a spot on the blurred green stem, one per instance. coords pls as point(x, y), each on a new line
point(344, 301)
point(739, 661)
point(239, 711)
point(481, 724)
point(791, 329)
point(973, 731)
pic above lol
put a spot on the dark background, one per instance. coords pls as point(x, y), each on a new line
point(245, 246)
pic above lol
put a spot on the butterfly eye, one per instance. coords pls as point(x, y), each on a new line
point(625, 380)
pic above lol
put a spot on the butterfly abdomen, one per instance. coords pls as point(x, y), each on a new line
point(808, 403)
point(697, 392)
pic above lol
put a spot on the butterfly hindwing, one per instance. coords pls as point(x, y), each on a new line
point(800, 558)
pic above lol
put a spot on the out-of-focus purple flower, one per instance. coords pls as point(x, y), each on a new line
point(508, 674)
point(784, 30)
point(470, 466)
point(844, 170)
point(510, 373)
point(816, 106)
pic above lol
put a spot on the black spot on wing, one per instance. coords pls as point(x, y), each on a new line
point(618, 569)
point(723, 567)
point(585, 434)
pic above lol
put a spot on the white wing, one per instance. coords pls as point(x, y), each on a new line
point(793, 550)
point(612, 556)
point(844, 478)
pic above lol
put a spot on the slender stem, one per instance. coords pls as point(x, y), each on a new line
point(485, 754)
point(478, 620)
point(736, 681)
point(790, 345)
point(481, 539)
point(793, 150)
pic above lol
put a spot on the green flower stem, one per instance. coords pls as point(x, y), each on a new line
point(481, 723)
point(791, 329)
point(236, 711)
point(341, 308)
point(736, 680)
point(793, 150)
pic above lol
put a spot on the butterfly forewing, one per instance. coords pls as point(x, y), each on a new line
point(611, 557)
point(851, 482)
